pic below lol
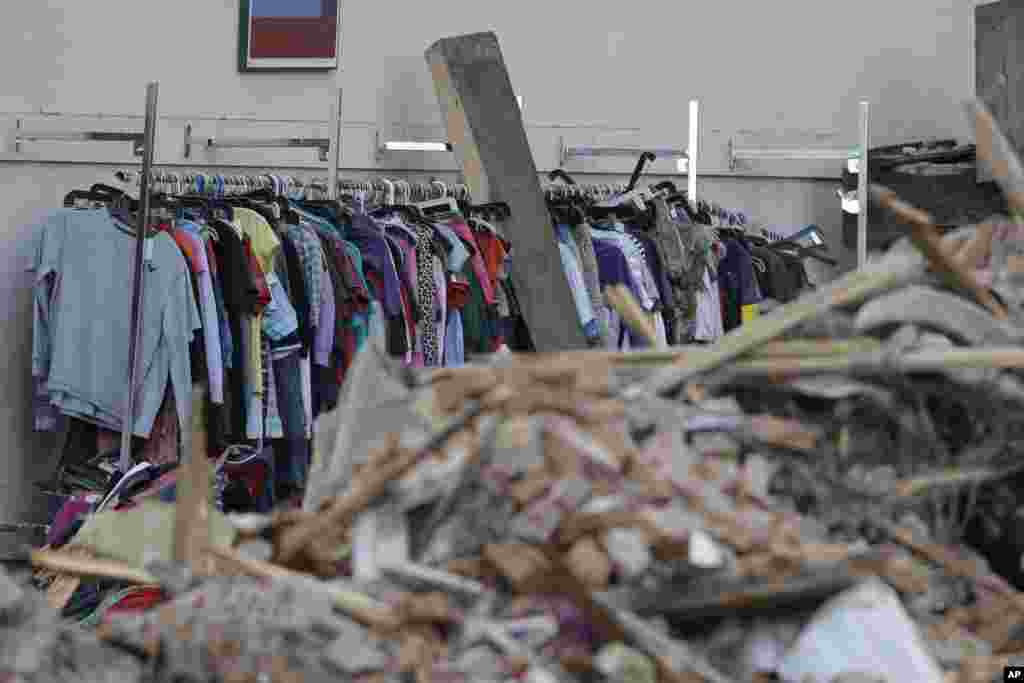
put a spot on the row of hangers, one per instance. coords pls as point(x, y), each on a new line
point(434, 199)
point(399, 191)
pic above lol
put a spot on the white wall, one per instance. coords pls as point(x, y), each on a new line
point(787, 72)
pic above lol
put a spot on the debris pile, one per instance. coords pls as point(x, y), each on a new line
point(791, 502)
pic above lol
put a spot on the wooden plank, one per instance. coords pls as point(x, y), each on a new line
point(485, 128)
point(192, 509)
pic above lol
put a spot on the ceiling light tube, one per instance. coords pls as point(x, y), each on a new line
point(399, 146)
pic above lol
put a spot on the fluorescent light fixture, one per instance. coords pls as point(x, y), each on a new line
point(853, 165)
point(392, 146)
point(683, 165)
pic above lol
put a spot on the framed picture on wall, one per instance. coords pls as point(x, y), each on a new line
point(285, 35)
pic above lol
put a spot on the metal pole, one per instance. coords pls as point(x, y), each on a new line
point(334, 156)
point(138, 289)
point(862, 186)
point(691, 182)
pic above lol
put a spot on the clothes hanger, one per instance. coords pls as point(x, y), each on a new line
point(75, 196)
point(559, 174)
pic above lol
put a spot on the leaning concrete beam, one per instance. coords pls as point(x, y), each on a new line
point(485, 128)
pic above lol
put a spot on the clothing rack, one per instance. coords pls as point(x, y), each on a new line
point(857, 162)
point(686, 158)
point(138, 283)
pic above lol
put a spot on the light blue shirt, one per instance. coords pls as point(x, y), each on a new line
point(454, 343)
point(83, 353)
point(577, 285)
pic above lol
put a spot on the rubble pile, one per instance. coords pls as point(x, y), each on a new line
point(790, 504)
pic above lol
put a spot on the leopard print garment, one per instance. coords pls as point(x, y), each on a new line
point(426, 295)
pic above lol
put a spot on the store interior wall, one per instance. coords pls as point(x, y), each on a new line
point(785, 73)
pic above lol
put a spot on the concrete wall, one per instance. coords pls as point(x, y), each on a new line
point(789, 72)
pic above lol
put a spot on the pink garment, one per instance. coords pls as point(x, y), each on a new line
point(442, 306)
point(464, 231)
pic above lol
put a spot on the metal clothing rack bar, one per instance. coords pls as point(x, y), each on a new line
point(786, 154)
point(138, 276)
point(137, 139)
point(857, 160)
point(690, 154)
point(597, 152)
point(322, 145)
point(334, 157)
point(694, 150)
point(862, 185)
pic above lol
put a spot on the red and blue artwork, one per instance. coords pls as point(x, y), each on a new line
point(290, 33)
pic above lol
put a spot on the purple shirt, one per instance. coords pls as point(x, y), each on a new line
point(739, 271)
point(654, 265)
point(370, 241)
point(613, 268)
point(323, 343)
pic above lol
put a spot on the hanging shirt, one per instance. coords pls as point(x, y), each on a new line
point(265, 244)
point(613, 269)
point(311, 260)
point(709, 312)
point(84, 358)
point(577, 286)
point(224, 326)
point(646, 291)
point(441, 309)
point(324, 342)
point(457, 254)
point(591, 278)
point(369, 238)
point(454, 340)
point(738, 283)
point(189, 232)
point(476, 259)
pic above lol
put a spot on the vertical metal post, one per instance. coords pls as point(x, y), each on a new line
point(334, 155)
point(138, 277)
point(693, 150)
point(862, 186)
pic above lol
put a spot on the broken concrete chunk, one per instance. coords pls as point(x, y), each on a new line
point(937, 310)
point(519, 443)
point(11, 593)
point(354, 654)
point(256, 549)
point(380, 538)
point(539, 521)
point(629, 552)
point(864, 629)
point(481, 663)
point(429, 480)
point(705, 553)
point(427, 576)
point(622, 664)
point(592, 453)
